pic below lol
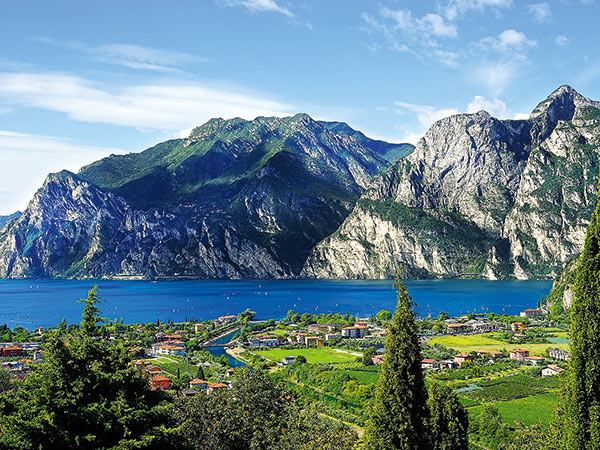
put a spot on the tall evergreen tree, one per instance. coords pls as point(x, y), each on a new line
point(399, 416)
point(448, 422)
point(582, 409)
point(87, 395)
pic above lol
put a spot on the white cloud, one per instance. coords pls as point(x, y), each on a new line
point(417, 35)
point(420, 28)
point(495, 107)
point(426, 115)
point(521, 116)
point(561, 41)
point(541, 12)
point(455, 8)
point(256, 6)
point(495, 76)
point(168, 106)
point(509, 41)
point(26, 159)
point(130, 55)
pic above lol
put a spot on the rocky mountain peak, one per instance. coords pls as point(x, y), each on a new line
point(562, 105)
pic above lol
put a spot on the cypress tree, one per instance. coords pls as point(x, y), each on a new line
point(582, 409)
point(200, 373)
point(399, 416)
point(448, 422)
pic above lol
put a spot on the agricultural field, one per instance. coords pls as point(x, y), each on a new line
point(488, 341)
point(171, 364)
point(312, 355)
point(530, 410)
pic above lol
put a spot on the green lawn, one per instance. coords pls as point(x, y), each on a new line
point(530, 410)
point(363, 376)
point(486, 341)
point(312, 355)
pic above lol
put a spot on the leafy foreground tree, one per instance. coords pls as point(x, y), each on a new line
point(582, 408)
point(448, 421)
point(256, 414)
point(86, 395)
point(400, 415)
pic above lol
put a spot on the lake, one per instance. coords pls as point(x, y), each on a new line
point(33, 303)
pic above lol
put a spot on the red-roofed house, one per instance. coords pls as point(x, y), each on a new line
point(160, 382)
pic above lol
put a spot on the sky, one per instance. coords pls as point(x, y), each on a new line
point(82, 80)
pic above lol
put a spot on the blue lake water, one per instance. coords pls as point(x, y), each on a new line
point(35, 303)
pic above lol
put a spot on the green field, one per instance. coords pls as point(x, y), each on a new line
point(312, 355)
point(486, 341)
point(530, 410)
point(171, 367)
point(363, 376)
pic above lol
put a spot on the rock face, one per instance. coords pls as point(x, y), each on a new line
point(478, 196)
point(5, 219)
point(237, 199)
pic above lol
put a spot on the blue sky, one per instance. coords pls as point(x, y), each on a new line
point(80, 80)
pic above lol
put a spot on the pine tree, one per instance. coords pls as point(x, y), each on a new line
point(448, 422)
point(399, 416)
point(582, 409)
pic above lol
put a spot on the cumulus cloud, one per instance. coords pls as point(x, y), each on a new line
point(509, 41)
point(540, 12)
point(44, 154)
point(169, 106)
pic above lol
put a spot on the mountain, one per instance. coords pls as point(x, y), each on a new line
point(478, 197)
point(236, 199)
point(4, 219)
point(391, 152)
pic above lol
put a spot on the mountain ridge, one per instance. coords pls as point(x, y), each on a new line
point(288, 197)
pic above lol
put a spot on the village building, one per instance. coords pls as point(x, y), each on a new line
point(448, 365)
point(461, 358)
point(535, 360)
point(552, 370)
point(332, 336)
point(357, 331)
point(160, 382)
point(317, 328)
point(314, 341)
point(196, 383)
point(560, 354)
point(229, 372)
point(12, 351)
point(532, 312)
point(198, 327)
point(517, 326)
point(519, 354)
point(331, 327)
point(378, 359)
point(457, 328)
point(213, 387)
point(300, 337)
point(227, 319)
point(429, 364)
point(171, 350)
